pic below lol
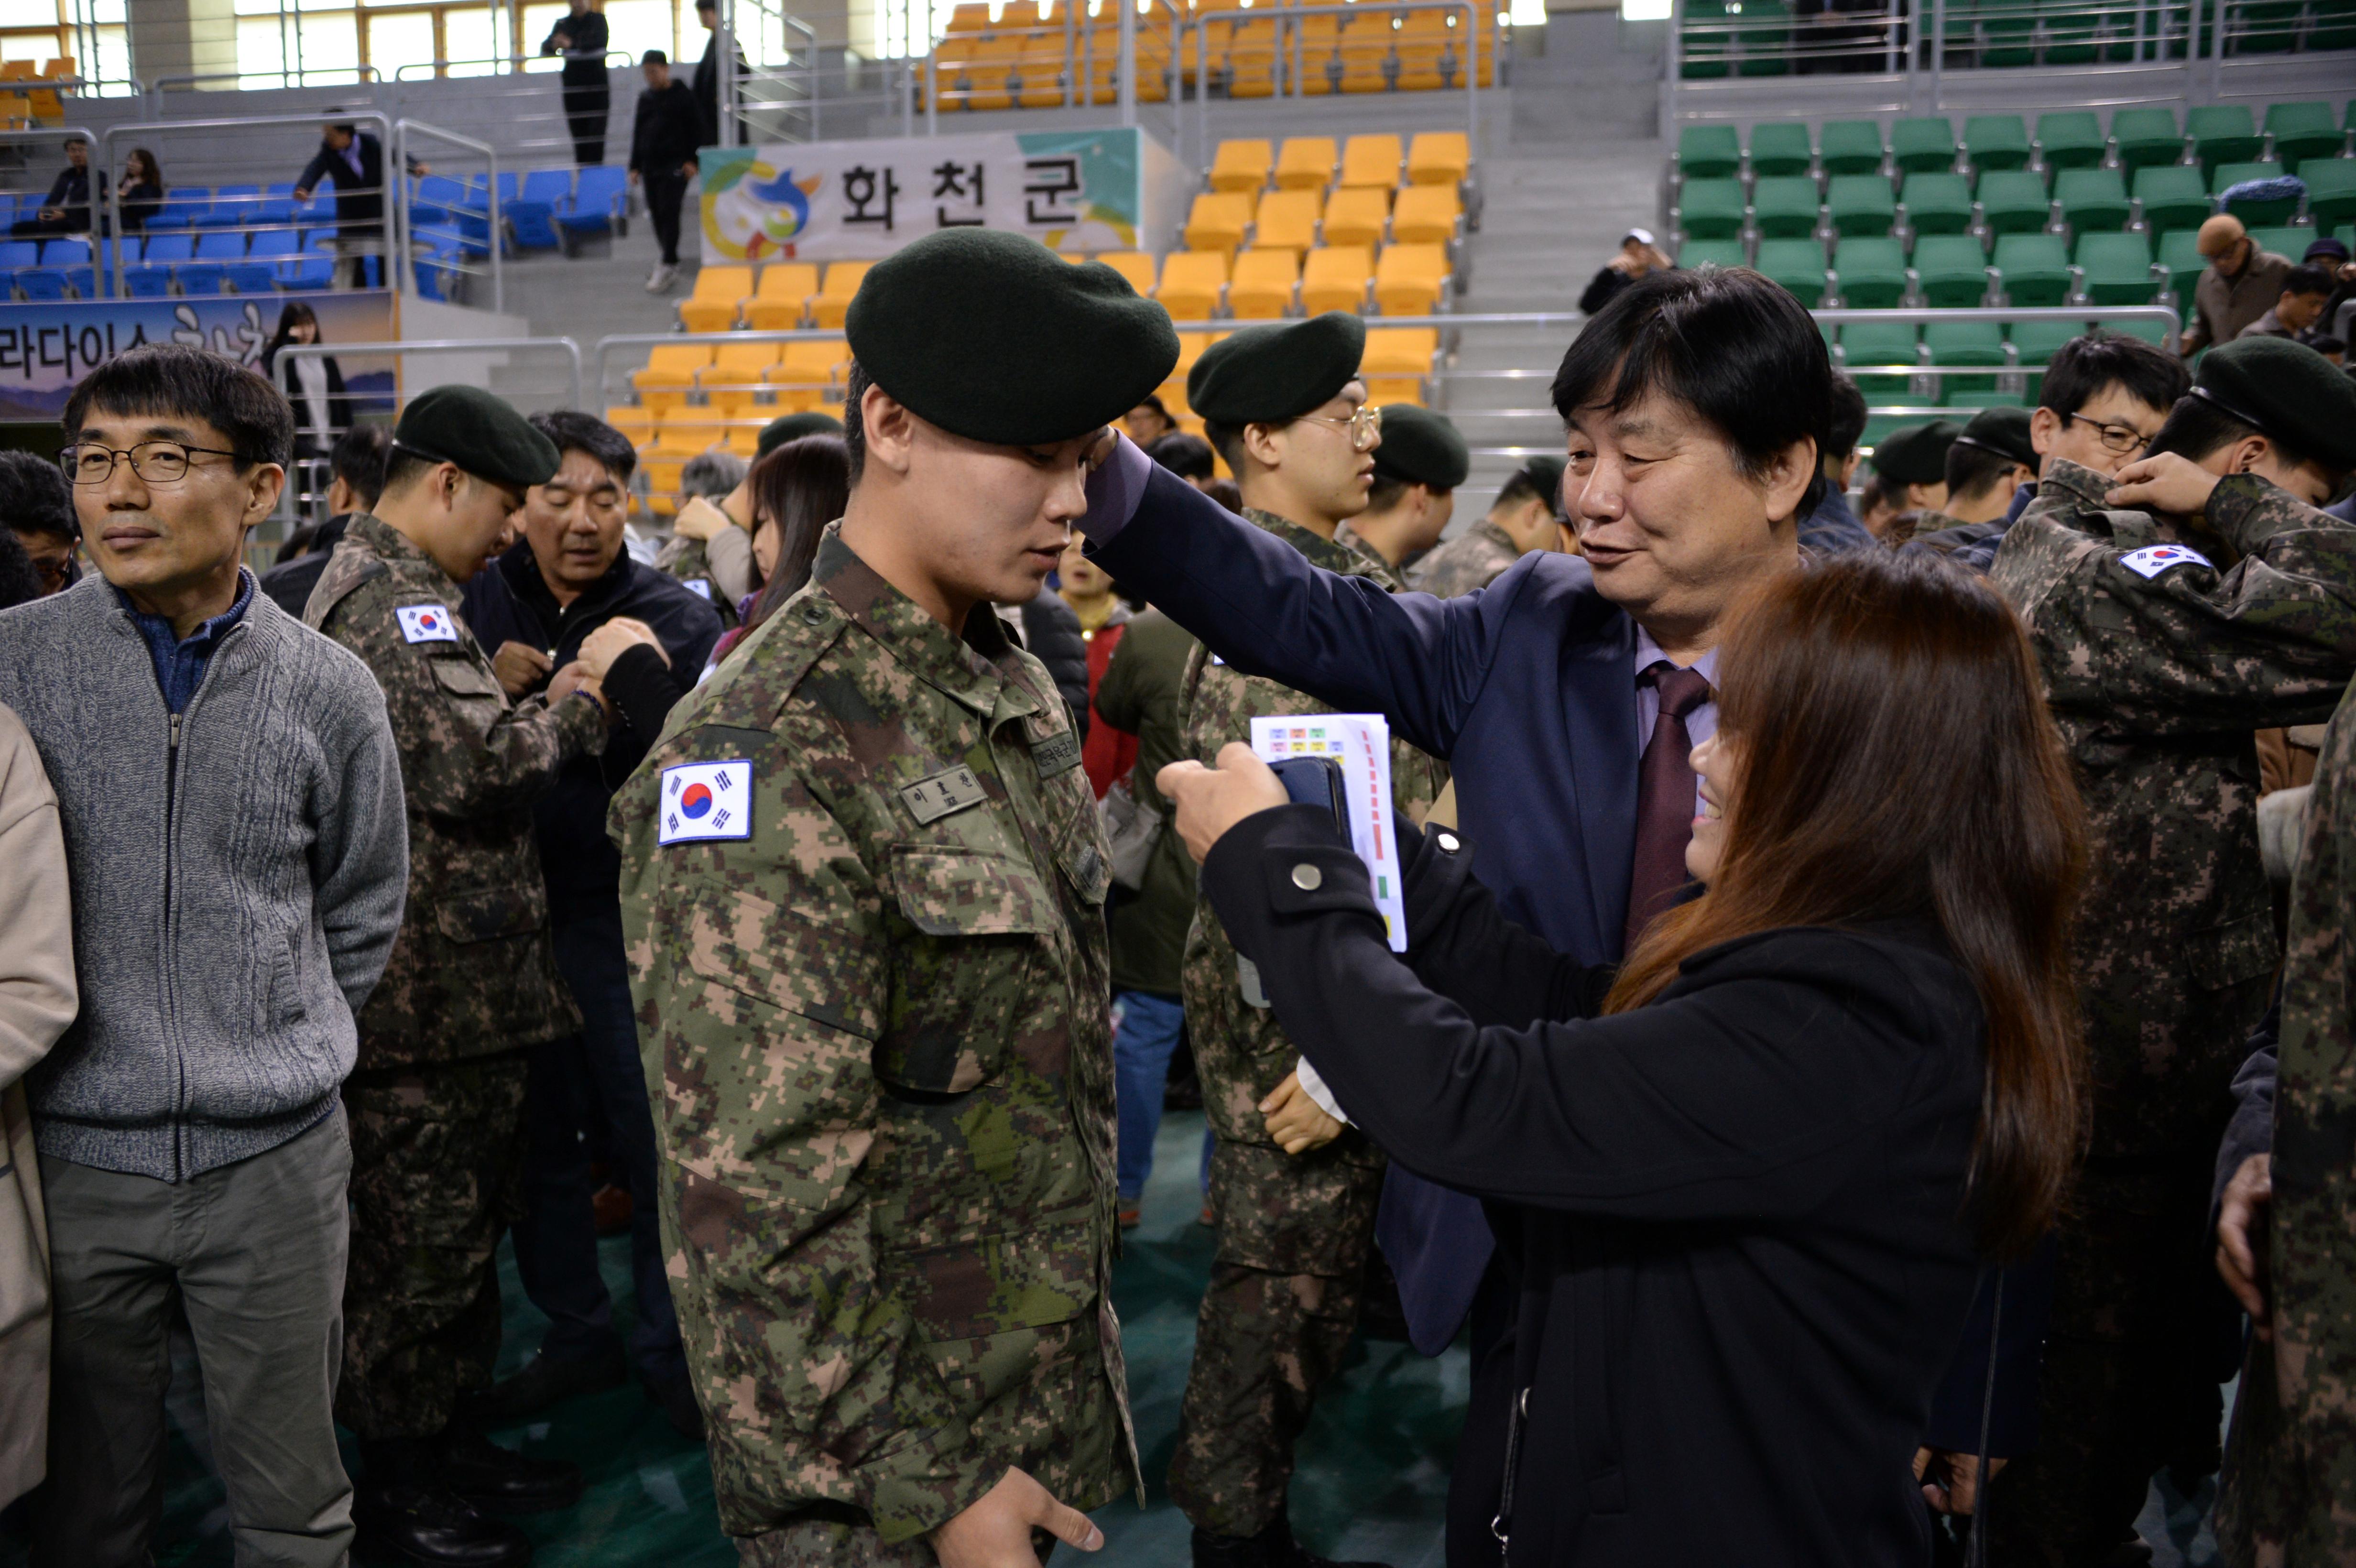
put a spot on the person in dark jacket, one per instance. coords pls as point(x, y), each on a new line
point(1832, 527)
point(353, 162)
point(1052, 633)
point(716, 48)
point(141, 191)
point(1744, 1185)
point(1639, 257)
point(357, 467)
point(66, 210)
point(581, 38)
point(314, 386)
point(537, 604)
point(663, 142)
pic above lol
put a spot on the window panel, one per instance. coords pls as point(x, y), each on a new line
point(468, 37)
point(637, 26)
point(260, 53)
point(401, 38)
point(329, 45)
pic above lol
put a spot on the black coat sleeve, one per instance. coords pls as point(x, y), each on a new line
point(321, 167)
point(645, 689)
point(1052, 632)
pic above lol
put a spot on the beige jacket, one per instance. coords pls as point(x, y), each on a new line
point(38, 1000)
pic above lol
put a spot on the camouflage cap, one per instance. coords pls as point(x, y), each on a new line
point(1264, 374)
point(1916, 454)
point(479, 433)
point(2003, 432)
point(793, 427)
point(2287, 392)
point(1421, 447)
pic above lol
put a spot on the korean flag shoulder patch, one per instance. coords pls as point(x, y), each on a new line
point(698, 586)
point(2153, 560)
point(426, 623)
point(706, 800)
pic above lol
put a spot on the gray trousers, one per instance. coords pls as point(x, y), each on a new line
point(254, 1253)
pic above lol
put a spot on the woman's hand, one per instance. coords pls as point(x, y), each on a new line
point(1296, 1122)
point(1212, 800)
point(699, 519)
point(609, 642)
point(2242, 1239)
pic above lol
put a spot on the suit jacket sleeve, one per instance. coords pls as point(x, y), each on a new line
point(321, 167)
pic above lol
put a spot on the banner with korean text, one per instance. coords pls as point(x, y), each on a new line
point(1116, 189)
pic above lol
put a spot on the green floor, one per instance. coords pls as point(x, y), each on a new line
point(1373, 1476)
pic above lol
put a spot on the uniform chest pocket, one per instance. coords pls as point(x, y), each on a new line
point(2229, 955)
point(464, 679)
point(969, 973)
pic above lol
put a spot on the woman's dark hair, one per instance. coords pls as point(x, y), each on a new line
point(35, 497)
point(20, 582)
point(1737, 349)
point(2084, 365)
point(1898, 762)
point(172, 380)
point(294, 314)
point(799, 487)
point(142, 165)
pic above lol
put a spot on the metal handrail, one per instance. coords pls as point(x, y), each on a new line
point(192, 78)
point(614, 59)
point(1200, 26)
point(401, 131)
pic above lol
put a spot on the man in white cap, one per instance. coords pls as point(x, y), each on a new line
point(1639, 255)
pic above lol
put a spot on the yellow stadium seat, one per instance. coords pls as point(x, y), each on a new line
point(1306, 162)
point(969, 16)
point(1357, 217)
point(990, 72)
point(1218, 219)
point(671, 371)
point(1318, 38)
point(1241, 165)
point(1134, 265)
point(1366, 58)
point(661, 463)
point(713, 306)
point(1262, 287)
point(633, 421)
point(1400, 350)
point(1438, 157)
point(1409, 277)
point(1289, 218)
point(1381, 391)
point(1192, 282)
point(1426, 215)
point(733, 380)
point(1041, 65)
point(1190, 349)
point(1336, 279)
point(1252, 60)
point(841, 282)
point(783, 298)
point(743, 438)
point(806, 370)
point(687, 429)
point(1370, 160)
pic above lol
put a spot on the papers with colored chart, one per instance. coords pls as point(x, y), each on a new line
point(1361, 743)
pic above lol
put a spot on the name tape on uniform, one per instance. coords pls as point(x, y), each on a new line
point(706, 800)
point(2153, 560)
point(952, 789)
point(698, 586)
point(426, 624)
point(1058, 753)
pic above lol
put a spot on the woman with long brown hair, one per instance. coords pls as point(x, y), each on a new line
point(1745, 1185)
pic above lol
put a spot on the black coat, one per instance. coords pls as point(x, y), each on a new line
point(666, 131)
point(1051, 632)
point(359, 197)
point(339, 403)
point(584, 62)
point(1731, 1217)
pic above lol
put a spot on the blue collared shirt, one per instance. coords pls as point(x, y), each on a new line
point(181, 661)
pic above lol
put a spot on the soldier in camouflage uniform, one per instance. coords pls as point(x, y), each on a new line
point(436, 1099)
point(1986, 463)
point(2164, 640)
point(1520, 520)
point(862, 895)
point(1294, 1230)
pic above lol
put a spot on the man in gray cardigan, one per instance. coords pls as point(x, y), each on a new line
point(237, 858)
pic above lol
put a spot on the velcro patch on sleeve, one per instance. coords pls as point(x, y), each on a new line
point(2153, 560)
point(706, 800)
point(426, 623)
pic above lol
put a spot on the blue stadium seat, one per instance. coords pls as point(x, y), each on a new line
point(69, 257)
point(264, 260)
point(437, 271)
point(209, 270)
point(309, 267)
point(438, 197)
point(45, 285)
point(150, 276)
point(183, 206)
point(599, 201)
point(15, 253)
point(233, 207)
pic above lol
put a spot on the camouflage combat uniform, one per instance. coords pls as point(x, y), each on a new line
point(2156, 682)
point(1471, 560)
point(436, 1099)
point(877, 1037)
point(2291, 1474)
point(1293, 1230)
point(686, 560)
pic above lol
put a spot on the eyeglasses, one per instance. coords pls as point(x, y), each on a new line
point(1363, 426)
point(2118, 438)
point(157, 462)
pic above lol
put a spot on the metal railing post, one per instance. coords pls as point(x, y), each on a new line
point(1675, 69)
point(1127, 61)
point(497, 239)
point(1938, 54)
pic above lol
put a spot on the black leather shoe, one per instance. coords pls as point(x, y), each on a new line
point(501, 1480)
point(425, 1523)
point(678, 1401)
point(549, 1380)
point(1271, 1548)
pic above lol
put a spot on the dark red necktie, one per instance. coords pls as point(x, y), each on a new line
point(1665, 799)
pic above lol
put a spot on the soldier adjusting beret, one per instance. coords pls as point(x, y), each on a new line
point(1264, 374)
point(479, 433)
point(2003, 432)
point(2288, 392)
point(793, 427)
point(1421, 447)
point(992, 337)
point(1916, 454)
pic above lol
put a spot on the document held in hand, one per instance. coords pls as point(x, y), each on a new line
point(1361, 744)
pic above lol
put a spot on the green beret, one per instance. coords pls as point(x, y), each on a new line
point(1421, 447)
point(1916, 454)
point(2003, 432)
point(2289, 391)
point(479, 433)
point(1264, 374)
point(992, 337)
point(793, 427)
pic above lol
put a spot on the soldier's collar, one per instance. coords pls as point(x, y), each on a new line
point(1328, 553)
point(964, 668)
point(392, 547)
point(2077, 480)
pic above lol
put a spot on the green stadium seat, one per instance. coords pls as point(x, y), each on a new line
point(1924, 145)
point(1938, 203)
point(2221, 133)
point(2036, 342)
point(2146, 137)
point(2180, 254)
point(1797, 265)
point(2284, 240)
point(1850, 147)
point(2071, 140)
point(2257, 214)
point(2091, 198)
point(1997, 142)
point(2151, 332)
point(1710, 209)
point(1965, 343)
point(2172, 196)
point(1870, 343)
point(1711, 252)
point(1869, 272)
point(2032, 269)
point(2116, 268)
point(1766, 39)
point(2013, 202)
point(1783, 207)
point(1708, 152)
point(1781, 147)
point(2330, 190)
point(1978, 400)
point(2303, 130)
point(1860, 203)
point(1878, 426)
point(1952, 270)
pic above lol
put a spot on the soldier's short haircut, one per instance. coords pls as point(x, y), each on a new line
point(1386, 493)
point(1973, 471)
point(1881, 490)
point(174, 382)
point(1849, 420)
point(2197, 427)
point(573, 430)
point(1227, 441)
point(854, 420)
point(1188, 455)
point(2306, 279)
point(358, 460)
point(2082, 367)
